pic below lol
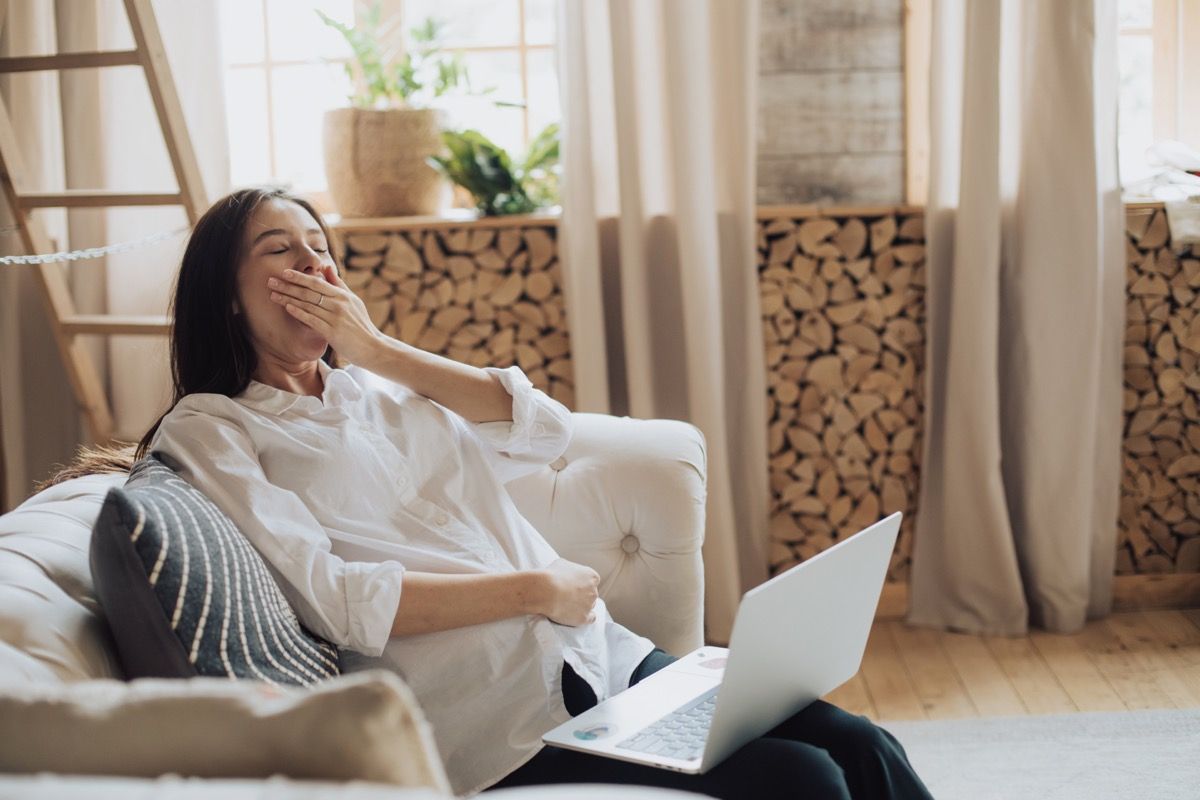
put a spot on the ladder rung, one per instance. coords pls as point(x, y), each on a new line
point(91, 198)
point(117, 325)
point(104, 58)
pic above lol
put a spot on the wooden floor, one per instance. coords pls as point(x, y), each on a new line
point(1131, 660)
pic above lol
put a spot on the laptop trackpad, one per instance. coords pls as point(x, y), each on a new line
point(633, 709)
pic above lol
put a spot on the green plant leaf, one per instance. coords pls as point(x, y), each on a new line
point(543, 150)
point(485, 170)
point(382, 77)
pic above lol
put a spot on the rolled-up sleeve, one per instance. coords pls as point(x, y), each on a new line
point(353, 604)
point(538, 433)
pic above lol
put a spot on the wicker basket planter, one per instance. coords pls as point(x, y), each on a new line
point(375, 161)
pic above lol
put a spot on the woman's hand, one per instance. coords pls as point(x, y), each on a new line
point(569, 593)
point(325, 303)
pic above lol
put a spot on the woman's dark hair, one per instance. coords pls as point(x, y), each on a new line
point(211, 350)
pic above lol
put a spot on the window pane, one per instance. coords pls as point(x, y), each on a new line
point(540, 21)
point(1136, 13)
point(1136, 118)
point(543, 91)
point(469, 23)
point(302, 94)
point(241, 30)
point(246, 115)
point(504, 125)
point(298, 34)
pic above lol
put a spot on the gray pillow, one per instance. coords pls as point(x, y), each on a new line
point(185, 593)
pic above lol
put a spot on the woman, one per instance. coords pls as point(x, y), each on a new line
point(375, 492)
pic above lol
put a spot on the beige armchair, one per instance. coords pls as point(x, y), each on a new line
point(627, 498)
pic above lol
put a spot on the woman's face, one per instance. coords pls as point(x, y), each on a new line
point(280, 235)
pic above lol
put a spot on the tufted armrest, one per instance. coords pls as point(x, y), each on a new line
point(627, 499)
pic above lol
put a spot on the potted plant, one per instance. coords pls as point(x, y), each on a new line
point(376, 150)
point(487, 171)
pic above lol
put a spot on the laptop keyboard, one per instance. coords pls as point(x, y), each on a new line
point(680, 734)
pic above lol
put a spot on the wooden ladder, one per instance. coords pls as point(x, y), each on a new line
point(68, 325)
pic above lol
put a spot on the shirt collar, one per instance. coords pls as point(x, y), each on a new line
point(339, 385)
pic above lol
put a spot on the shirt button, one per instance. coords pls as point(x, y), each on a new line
point(441, 519)
point(539, 428)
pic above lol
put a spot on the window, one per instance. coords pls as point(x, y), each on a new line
point(1156, 101)
point(284, 70)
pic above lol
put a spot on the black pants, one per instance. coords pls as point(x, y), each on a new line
point(821, 752)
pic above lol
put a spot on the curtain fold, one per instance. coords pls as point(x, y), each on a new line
point(40, 423)
point(658, 247)
point(1025, 310)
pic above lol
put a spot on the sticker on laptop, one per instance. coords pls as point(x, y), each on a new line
point(593, 732)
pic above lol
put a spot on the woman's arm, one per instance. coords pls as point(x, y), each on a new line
point(564, 592)
point(469, 391)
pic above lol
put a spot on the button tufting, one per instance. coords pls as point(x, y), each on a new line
point(630, 544)
point(558, 463)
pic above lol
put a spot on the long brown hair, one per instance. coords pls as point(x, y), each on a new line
point(211, 349)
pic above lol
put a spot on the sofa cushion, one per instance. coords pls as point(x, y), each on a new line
point(185, 593)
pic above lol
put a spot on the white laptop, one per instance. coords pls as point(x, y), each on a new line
point(796, 637)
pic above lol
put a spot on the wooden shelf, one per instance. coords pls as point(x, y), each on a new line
point(463, 218)
point(470, 219)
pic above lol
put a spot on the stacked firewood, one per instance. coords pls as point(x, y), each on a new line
point(843, 319)
point(1160, 486)
point(485, 296)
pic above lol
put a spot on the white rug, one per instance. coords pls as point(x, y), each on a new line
point(1133, 755)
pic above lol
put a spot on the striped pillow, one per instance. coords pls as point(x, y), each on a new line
point(185, 593)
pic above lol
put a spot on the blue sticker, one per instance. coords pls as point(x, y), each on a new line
point(595, 732)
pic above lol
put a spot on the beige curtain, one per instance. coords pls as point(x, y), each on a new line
point(40, 423)
point(1019, 494)
point(659, 247)
point(89, 129)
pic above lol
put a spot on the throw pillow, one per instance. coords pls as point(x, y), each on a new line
point(361, 727)
point(185, 594)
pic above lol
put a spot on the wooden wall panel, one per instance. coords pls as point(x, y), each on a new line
point(830, 102)
point(842, 178)
point(830, 112)
point(815, 35)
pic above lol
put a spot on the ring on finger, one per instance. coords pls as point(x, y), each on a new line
point(320, 300)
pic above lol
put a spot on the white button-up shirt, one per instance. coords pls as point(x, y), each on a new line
point(341, 494)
